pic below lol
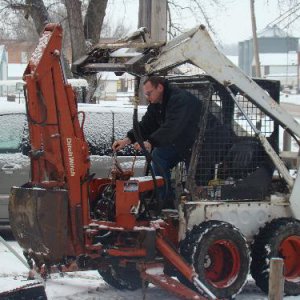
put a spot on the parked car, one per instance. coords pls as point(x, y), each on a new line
point(103, 124)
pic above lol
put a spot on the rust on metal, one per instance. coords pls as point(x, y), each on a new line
point(39, 222)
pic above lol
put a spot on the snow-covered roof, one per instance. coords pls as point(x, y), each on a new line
point(78, 82)
point(113, 76)
point(271, 32)
point(16, 70)
point(277, 59)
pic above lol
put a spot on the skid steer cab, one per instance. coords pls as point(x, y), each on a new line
point(237, 202)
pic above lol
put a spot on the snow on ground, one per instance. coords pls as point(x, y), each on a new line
point(89, 285)
point(290, 98)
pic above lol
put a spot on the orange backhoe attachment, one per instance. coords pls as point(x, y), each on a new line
point(59, 153)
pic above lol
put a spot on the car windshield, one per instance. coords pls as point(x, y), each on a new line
point(11, 132)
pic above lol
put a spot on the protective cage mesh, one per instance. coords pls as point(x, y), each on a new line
point(228, 161)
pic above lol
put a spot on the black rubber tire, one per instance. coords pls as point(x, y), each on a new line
point(122, 278)
point(210, 236)
point(267, 244)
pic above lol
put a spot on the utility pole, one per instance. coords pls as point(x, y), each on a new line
point(255, 42)
point(298, 73)
point(153, 16)
point(159, 20)
point(145, 14)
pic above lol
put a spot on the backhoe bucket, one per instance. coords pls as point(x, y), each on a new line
point(39, 219)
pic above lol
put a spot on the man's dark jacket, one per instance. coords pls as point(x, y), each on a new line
point(174, 122)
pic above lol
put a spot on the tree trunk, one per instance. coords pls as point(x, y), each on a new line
point(144, 20)
point(92, 28)
point(39, 14)
point(145, 14)
point(75, 28)
point(153, 16)
point(255, 42)
point(159, 21)
point(78, 43)
point(94, 20)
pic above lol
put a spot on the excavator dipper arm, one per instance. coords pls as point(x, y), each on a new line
point(59, 152)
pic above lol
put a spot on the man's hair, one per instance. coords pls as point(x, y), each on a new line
point(155, 80)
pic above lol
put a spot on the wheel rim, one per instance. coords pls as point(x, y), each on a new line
point(290, 251)
point(222, 263)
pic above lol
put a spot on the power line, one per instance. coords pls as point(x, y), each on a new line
point(291, 22)
point(285, 15)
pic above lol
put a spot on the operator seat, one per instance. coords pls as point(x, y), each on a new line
point(248, 169)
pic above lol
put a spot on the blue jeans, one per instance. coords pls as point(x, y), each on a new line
point(164, 159)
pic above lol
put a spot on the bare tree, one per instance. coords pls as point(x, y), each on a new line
point(16, 16)
point(36, 14)
point(76, 31)
point(80, 30)
point(87, 30)
point(93, 21)
point(84, 30)
point(198, 10)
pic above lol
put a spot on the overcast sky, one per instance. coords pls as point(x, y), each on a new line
point(232, 23)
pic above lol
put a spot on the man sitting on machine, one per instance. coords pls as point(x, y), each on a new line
point(168, 129)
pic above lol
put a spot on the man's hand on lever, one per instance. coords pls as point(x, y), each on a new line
point(147, 145)
point(120, 144)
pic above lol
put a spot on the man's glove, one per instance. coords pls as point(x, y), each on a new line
point(147, 145)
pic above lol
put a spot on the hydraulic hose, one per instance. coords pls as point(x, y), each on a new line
point(139, 138)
